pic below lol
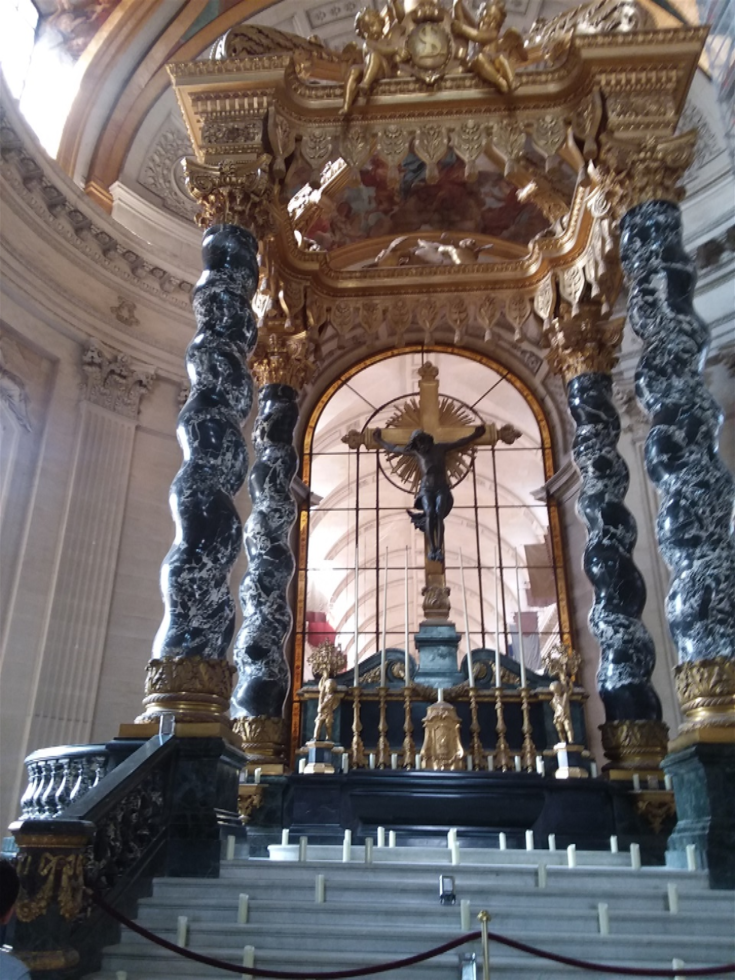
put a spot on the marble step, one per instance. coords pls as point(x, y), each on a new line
point(481, 856)
point(506, 916)
point(304, 950)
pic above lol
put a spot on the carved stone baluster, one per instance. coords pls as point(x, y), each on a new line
point(583, 350)
point(48, 800)
point(26, 801)
point(76, 778)
point(63, 790)
point(43, 770)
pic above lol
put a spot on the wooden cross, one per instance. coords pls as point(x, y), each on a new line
point(429, 419)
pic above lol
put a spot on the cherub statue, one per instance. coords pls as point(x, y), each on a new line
point(381, 50)
point(561, 706)
point(496, 56)
point(328, 701)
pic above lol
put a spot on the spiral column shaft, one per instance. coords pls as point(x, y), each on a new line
point(583, 350)
point(189, 673)
point(696, 490)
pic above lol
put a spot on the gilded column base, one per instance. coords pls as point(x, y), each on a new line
point(706, 692)
point(195, 690)
point(264, 740)
point(634, 746)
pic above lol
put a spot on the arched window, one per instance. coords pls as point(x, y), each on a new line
point(357, 510)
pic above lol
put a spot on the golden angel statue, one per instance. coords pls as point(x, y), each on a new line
point(491, 56)
point(383, 48)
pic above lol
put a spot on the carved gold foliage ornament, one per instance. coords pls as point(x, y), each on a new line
point(635, 744)
point(327, 660)
point(706, 692)
point(583, 343)
point(194, 689)
point(263, 737)
point(282, 358)
point(234, 194)
point(57, 877)
point(631, 172)
point(656, 808)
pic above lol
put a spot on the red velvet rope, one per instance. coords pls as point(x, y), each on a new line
point(626, 971)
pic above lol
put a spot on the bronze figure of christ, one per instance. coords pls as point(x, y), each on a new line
point(434, 499)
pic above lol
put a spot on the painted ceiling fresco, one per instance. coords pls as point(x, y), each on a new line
point(373, 208)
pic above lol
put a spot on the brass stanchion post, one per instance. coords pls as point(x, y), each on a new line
point(502, 750)
point(409, 746)
point(358, 749)
point(478, 753)
point(528, 751)
point(484, 918)
point(383, 747)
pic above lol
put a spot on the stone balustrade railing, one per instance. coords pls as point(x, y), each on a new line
point(64, 774)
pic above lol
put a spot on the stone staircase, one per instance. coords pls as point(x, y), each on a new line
point(389, 909)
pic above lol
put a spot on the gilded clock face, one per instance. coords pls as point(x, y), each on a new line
point(428, 44)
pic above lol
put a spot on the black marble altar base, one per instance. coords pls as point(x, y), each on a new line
point(204, 790)
point(422, 806)
point(704, 787)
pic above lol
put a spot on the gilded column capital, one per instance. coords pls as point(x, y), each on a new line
point(281, 358)
point(232, 193)
point(633, 171)
point(584, 342)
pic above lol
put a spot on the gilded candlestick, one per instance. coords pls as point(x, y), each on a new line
point(528, 752)
point(383, 747)
point(502, 750)
point(358, 749)
point(478, 753)
point(409, 746)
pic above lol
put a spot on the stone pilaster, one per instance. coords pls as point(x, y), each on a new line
point(583, 350)
point(72, 655)
point(280, 364)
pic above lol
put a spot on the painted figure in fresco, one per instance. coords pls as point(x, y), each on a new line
point(562, 708)
point(328, 701)
point(434, 500)
point(380, 50)
point(494, 61)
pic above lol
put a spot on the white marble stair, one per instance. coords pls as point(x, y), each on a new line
point(390, 909)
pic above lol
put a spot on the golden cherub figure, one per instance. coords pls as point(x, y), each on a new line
point(329, 698)
point(495, 57)
point(561, 706)
point(381, 50)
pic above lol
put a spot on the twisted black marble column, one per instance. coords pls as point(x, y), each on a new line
point(199, 617)
point(627, 654)
point(696, 490)
point(264, 676)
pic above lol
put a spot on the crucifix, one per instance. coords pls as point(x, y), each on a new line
point(428, 451)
